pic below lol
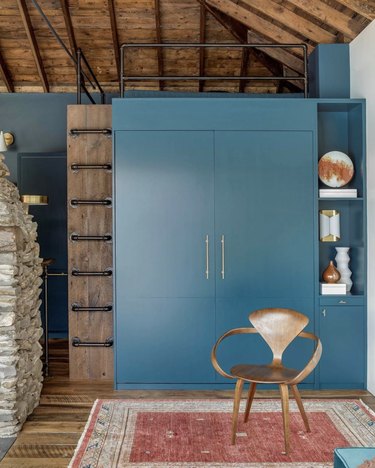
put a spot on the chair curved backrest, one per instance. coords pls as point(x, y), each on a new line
point(278, 327)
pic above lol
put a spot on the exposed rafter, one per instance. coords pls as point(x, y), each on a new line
point(291, 20)
point(256, 23)
point(281, 55)
point(244, 67)
point(115, 40)
point(202, 40)
point(329, 16)
point(5, 75)
point(269, 58)
point(33, 44)
point(364, 8)
point(69, 27)
point(159, 41)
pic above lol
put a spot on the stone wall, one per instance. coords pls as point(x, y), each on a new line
point(20, 324)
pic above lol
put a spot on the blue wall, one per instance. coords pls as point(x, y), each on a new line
point(38, 122)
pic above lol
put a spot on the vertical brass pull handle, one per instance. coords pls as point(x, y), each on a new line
point(207, 258)
point(222, 257)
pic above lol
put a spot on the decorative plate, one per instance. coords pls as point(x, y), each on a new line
point(335, 169)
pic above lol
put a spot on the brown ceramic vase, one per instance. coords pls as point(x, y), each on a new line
point(331, 274)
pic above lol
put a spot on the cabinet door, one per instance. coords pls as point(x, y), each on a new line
point(165, 314)
point(165, 341)
point(164, 213)
point(264, 210)
point(342, 333)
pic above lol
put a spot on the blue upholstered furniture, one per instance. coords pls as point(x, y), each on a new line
point(351, 457)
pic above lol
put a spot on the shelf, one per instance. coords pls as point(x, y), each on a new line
point(340, 199)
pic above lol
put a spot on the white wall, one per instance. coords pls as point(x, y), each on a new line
point(362, 85)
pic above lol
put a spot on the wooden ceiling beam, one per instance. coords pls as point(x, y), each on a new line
point(5, 75)
point(202, 40)
point(256, 23)
point(33, 44)
point(291, 20)
point(280, 55)
point(243, 35)
point(272, 59)
point(244, 66)
point(69, 27)
point(114, 31)
point(363, 8)
point(329, 16)
point(159, 41)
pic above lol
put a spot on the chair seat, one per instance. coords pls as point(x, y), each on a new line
point(264, 374)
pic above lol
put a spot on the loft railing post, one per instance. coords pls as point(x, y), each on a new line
point(79, 77)
point(122, 50)
point(305, 72)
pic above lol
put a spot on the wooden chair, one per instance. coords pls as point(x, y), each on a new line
point(278, 327)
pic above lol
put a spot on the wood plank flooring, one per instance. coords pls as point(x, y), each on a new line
point(50, 434)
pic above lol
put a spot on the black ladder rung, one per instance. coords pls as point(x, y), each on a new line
point(76, 272)
point(76, 342)
point(90, 131)
point(75, 202)
point(77, 167)
point(77, 237)
point(78, 308)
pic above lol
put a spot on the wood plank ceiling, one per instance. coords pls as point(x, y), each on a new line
point(31, 60)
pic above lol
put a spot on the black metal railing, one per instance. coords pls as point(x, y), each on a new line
point(81, 84)
point(300, 77)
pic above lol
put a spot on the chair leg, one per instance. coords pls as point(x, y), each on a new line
point(236, 407)
point(285, 405)
point(298, 399)
point(249, 402)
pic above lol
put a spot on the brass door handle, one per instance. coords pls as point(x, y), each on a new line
point(222, 257)
point(207, 257)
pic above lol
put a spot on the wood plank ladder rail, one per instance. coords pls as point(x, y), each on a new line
point(301, 77)
point(90, 284)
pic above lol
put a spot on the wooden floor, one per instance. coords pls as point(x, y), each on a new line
point(50, 434)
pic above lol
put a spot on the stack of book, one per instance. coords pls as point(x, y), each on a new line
point(332, 288)
point(338, 193)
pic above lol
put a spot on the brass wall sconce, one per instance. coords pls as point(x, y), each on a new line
point(6, 139)
point(34, 199)
point(329, 225)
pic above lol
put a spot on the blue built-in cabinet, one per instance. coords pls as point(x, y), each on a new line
point(216, 215)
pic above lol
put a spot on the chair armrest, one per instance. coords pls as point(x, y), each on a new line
point(234, 331)
point(313, 360)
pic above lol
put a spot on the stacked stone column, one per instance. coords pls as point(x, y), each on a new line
point(20, 324)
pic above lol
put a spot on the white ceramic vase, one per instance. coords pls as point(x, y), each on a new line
point(342, 260)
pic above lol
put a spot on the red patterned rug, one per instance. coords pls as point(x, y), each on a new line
point(196, 434)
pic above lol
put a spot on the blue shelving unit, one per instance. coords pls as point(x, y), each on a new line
point(239, 174)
